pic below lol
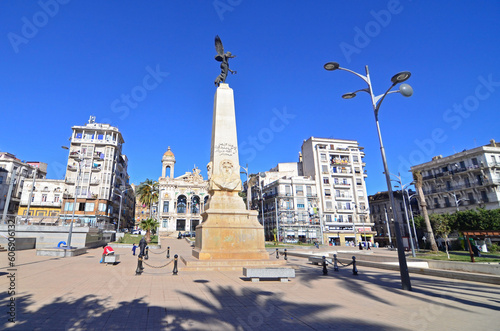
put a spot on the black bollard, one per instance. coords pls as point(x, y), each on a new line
point(354, 269)
point(325, 271)
point(286, 258)
point(277, 254)
point(335, 266)
point(168, 252)
point(146, 256)
point(138, 271)
point(175, 265)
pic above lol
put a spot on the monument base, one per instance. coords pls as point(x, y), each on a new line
point(229, 234)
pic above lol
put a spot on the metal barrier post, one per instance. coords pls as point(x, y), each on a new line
point(175, 265)
point(286, 258)
point(325, 271)
point(354, 269)
point(146, 256)
point(277, 254)
point(168, 252)
point(335, 266)
point(138, 271)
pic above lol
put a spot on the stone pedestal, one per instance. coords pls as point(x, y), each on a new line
point(229, 231)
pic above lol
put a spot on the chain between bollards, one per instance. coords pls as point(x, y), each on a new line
point(325, 270)
point(174, 272)
point(168, 252)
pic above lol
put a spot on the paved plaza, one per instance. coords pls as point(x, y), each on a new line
point(80, 294)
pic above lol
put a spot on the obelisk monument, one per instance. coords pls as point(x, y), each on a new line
point(229, 231)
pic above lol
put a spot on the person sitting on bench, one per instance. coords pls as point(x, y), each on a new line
point(108, 250)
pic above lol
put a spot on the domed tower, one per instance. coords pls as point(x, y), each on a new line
point(168, 162)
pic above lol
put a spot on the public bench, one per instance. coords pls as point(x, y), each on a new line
point(315, 260)
point(269, 273)
point(112, 259)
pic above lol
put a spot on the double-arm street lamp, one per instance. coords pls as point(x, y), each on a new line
point(77, 190)
point(406, 91)
point(120, 209)
point(457, 201)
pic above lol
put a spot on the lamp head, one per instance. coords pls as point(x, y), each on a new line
point(330, 66)
point(400, 77)
point(406, 90)
point(349, 95)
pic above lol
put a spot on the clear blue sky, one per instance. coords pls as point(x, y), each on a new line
point(61, 64)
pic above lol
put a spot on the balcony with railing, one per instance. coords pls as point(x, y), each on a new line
point(341, 185)
point(343, 197)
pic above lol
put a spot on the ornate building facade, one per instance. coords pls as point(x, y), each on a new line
point(181, 200)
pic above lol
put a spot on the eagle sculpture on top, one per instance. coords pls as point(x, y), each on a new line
point(223, 59)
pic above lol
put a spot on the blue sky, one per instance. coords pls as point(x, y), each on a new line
point(62, 61)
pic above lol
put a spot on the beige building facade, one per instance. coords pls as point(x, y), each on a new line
point(466, 180)
point(181, 199)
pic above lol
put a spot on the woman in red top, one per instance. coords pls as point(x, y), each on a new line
point(108, 250)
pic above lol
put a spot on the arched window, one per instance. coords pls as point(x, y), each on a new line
point(195, 204)
point(181, 204)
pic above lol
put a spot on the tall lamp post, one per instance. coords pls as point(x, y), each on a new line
point(261, 174)
point(120, 209)
point(249, 190)
point(412, 219)
point(77, 183)
point(403, 190)
point(457, 201)
point(406, 91)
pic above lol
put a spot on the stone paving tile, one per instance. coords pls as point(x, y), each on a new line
point(80, 293)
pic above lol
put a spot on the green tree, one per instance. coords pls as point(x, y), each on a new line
point(148, 193)
point(149, 225)
point(442, 225)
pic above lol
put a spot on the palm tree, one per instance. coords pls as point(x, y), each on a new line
point(149, 226)
point(148, 193)
point(417, 176)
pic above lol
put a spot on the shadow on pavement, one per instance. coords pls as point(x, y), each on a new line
point(223, 309)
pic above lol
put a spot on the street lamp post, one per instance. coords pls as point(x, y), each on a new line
point(406, 91)
point(457, 201)
point(77, 183)
point(120, 209)
point(403, 190)
point(30, 197)
point(412, 219)
point(388, 226)
point(261, 174)
point(249, 190)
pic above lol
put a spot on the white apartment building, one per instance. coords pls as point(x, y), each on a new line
point(466, 180)
point(41, 200)
point(25, 171)
point(290, 204)
point(97, 174)
point(181, 200)
point(338, 169)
